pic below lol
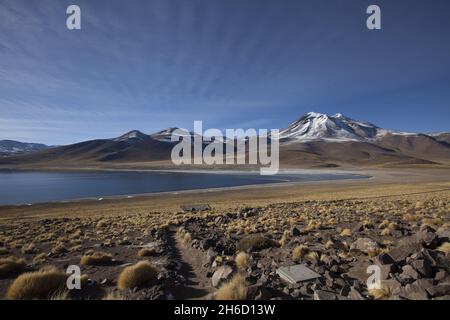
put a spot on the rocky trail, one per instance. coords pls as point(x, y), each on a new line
point(197, 285)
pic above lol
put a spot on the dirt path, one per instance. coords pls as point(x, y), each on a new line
point(197, 286)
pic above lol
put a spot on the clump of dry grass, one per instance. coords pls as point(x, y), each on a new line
point(39, 258)
point(59, 248)
point(37, 285)
point(187, 238)
point(312, 256)
point(255, 242)
point(346, 233)
point(445, 247)
point(140, 275)
point(329, 244)
point(29, 249)
point(384, 291)
point(146, 252)
point(235, 289)
point(96, 259)
point(299, 252)
point(242, 260)
point(386, 232)
point(11, 265)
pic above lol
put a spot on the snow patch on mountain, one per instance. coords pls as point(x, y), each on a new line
point(11, 147)
point(315, 126)
point(135, 135)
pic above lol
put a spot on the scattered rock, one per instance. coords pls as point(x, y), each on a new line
point(295, 232)
point(413, 292)
point(365, 245)
point(222, 274)
point(324, 295)
point(423, 267)
point(409, 272)
point(195, 207)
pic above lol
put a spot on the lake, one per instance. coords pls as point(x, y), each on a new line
point(35, 187)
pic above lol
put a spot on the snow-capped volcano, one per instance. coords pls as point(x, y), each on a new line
point(134, 135)
point(317, 126)
point(166, 134)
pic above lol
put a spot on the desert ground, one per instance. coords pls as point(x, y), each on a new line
point(147, 247)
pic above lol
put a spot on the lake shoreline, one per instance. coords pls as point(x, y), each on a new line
point(285, 177)
point(382, 183)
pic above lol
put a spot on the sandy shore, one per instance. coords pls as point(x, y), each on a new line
point(383, 183)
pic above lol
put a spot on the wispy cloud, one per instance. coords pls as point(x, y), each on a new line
point(151, 64)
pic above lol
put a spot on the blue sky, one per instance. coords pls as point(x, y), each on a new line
point(147, 65)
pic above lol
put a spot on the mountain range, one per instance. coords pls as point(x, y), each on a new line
point(11, 147)
point(314, 140)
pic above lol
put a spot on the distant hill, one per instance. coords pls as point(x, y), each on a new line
point(314, 140)
point(11, 147)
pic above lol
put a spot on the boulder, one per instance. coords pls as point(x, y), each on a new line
point(400, 253)
point(423, 267)
point(384, 259)
point(222, 274)
point(324, 295)
point(413, 292)
point(365, 245)
point(409, 272)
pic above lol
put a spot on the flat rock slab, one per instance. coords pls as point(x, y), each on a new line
point(147, 245)
point(195, 207)
point(297, 273)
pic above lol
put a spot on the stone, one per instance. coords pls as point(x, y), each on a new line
point(423, 267)
point(210, 255)
point(358, 227)
point(345, 291)
point(413, 292)
point(324, 295)
point(365, 245)
point(409, 272)
point(354, 294)
point(257, 292)
point(399, 254)
point(440, 275)
point(222, 274)
point(295, 232)
point(195, 207)
point(427, 237)
point(384, 259)
point(297, 273)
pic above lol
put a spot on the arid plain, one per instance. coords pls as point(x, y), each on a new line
point(147, 247)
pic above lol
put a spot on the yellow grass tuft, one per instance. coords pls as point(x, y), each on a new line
point(329, 244)
point(11, 265)
point(187, 238)
point(29, 249)
point(445, 247)
point(140, 275)
point(299, 252)
point(37, 285)
point(242, 260)
point(312, 256)
point(146, 252)
point(346, 233)
point(96, 259)
point(386, 232)
point(235, 289)
point(381, 293)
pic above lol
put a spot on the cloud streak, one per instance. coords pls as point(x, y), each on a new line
point(151, 64)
